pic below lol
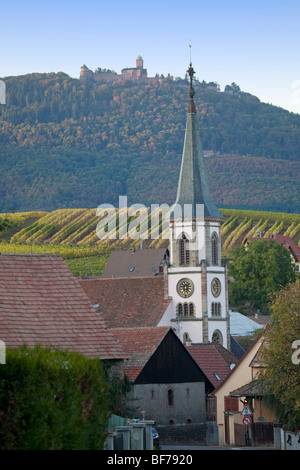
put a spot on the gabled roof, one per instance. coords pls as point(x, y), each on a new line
point(128, 302)
point(156, 355)
point(41, 302)
point(248, 354)
point(139, 344)
point(213, 359)
point(130, 263)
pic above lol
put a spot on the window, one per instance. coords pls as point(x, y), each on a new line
point(191, 310)
point(186, 309)
point(184, 255)
point(231, 403)
point(217, 337)
point(216, 309)
point(214, 249)
point(170, 397)
point(179, 310)
point(186, 338)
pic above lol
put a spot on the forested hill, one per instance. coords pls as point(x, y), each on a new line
point(68, 144)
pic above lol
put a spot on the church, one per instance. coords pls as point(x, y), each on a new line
point(189, 293)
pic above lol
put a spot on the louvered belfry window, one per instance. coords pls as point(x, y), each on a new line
point(214, 249)
point(184, 251)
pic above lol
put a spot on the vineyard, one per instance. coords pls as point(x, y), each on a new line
point(72, 233)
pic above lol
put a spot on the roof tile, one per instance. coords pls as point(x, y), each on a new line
point(41, 302)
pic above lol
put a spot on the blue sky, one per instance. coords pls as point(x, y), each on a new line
point(253, 43)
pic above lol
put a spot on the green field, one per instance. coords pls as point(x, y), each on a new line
point(71, 233)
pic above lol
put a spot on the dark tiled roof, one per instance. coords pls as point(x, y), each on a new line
point(252, 389)
point(236, 348)
point(139, 344)
point(139, 263)
point(41, 302)
point(213, 359)
point(128, 302)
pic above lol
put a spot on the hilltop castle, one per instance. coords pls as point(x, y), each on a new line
point(134, 73)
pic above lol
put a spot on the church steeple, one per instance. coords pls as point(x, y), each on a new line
point(193, 187)
point(197, 277)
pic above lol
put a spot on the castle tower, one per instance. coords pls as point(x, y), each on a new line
point(139, 62)
point(197, 277)
point(85, 74)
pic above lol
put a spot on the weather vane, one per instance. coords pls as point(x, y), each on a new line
point(191, 73)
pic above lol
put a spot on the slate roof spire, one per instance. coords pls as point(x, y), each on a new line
point(193, 188)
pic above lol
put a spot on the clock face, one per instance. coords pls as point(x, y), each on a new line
point(215, 287)
point(185, 287)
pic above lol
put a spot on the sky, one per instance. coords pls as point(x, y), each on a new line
point(255, 44)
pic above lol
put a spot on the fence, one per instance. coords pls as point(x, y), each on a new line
point(286, 440)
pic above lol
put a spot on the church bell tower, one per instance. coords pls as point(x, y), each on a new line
point(197, 276)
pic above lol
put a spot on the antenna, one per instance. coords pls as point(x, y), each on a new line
point(190, 46)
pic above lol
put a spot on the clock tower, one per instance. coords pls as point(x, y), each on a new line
point(197, 276)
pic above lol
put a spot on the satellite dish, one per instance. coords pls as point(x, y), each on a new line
point(232, 366)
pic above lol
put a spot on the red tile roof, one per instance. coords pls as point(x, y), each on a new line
point(212, 358)
point(130, 303)
point(41, 302)
point(139, 344)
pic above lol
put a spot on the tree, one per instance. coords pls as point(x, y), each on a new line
point(281, 355)
point(52, 400)
point(259, 270)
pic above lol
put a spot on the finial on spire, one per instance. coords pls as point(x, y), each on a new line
point(191, 73)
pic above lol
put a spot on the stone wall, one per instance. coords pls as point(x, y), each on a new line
point(182, 434)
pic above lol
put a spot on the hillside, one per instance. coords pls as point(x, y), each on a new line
point(72, 234)
point(68, 144)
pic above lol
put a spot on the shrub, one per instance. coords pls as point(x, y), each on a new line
point(52, 400)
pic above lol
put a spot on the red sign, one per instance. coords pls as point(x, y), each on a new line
point(247, 420)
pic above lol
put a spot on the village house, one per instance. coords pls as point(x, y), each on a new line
point(168, 386)
point(241, 387)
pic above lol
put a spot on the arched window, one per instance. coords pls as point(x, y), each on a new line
point(217, 337)
point(216, 309)
point(170, 397)
point(179, 310)
point(184, 253)
point(191, 310)
point(185, 310)
point(214, 249)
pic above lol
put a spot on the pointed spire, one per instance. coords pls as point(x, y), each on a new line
point(193, 188)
